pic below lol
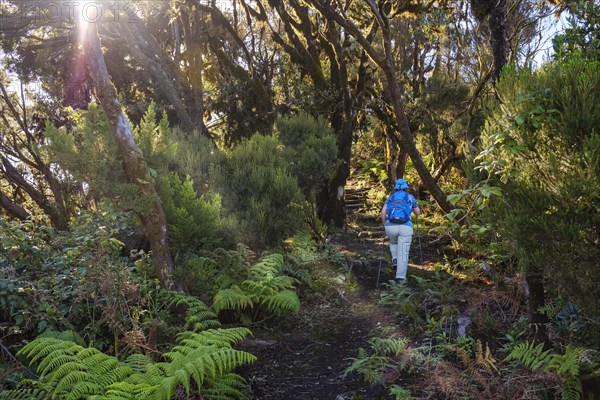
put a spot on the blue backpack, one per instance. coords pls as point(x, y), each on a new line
point(399, 208)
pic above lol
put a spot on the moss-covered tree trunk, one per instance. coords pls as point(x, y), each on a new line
point(153, 218)
point(497, 25)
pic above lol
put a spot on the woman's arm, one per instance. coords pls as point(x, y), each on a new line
point(416, 208)
point(383, 213)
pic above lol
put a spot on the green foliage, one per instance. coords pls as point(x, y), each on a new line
point(583, 35)
point(74, 280)
point(566, 366)
point(302, 248)
point(89, 154)
point(198, 316)
point(194, 221)
point(386, 355)
point(205, 359)
point(265, 290)
point(542, 148)
point(373, 168)
point(195, 154)
point(156, 141)
point(259, 191)
point(310, 148)
point(400, 393)
point(200, 273)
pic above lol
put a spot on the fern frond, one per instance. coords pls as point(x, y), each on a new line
point(296, 272)
point(400, 393)
point(462, 354)
point(388, 347)
point(283, 301)
point(82, 390)
point(42, 347)
point(571, 389)
point(198, 315)
point(231, 299)
point(257, 288)
point(25, 394)
point(91, 359)
point(63, 370)
point(206, 358)
point(118, 374)
point(265, 286)
point(62, 363)
point(268, 266)
point(567, 364)
point(532, 356)
point(137, 362)
point(66, 383)
point(219, 337)
point(129, 391)
point(221, 392)
point(485, 358)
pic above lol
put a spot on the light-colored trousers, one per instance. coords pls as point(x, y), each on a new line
point(400, 239)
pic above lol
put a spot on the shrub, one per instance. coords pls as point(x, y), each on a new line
point(543, 150)
point(310, 147)
point(259, 190)
point(73, 280)
point(194, 222)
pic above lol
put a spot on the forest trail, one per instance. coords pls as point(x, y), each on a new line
point(306, 358)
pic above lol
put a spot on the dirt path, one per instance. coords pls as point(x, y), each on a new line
point(306, 358)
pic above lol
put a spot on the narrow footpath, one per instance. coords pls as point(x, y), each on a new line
point(306, 358)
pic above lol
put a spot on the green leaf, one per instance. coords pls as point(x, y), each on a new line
point(520, 119)
point(455, 198)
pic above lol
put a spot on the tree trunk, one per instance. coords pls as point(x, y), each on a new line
point(537, 300)
point(401, 164)
point(497, 25)
point(167, 84)
point(135, 167)
point(406, 137)
point(385, 61)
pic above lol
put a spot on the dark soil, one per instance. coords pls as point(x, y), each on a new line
point(307, 358)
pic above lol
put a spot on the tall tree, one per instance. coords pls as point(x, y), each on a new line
point(135, 167)
point(28, 177)
point(384, 59)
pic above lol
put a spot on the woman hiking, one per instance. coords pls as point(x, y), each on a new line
point(395, 216)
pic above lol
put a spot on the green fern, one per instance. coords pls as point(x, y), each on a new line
point(25, 394)
point(400, 393)
point(266, 289)
point(384, 353)
point(531, 355)
point(566, 366)
point(198, 315)
point(388, 347)
point(233, 298)
point(201, 361)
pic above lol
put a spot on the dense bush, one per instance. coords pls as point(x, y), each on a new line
point(259, 191)
point(310, 148)
point(76, 280)
point(543, 150)
point(194, 221)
